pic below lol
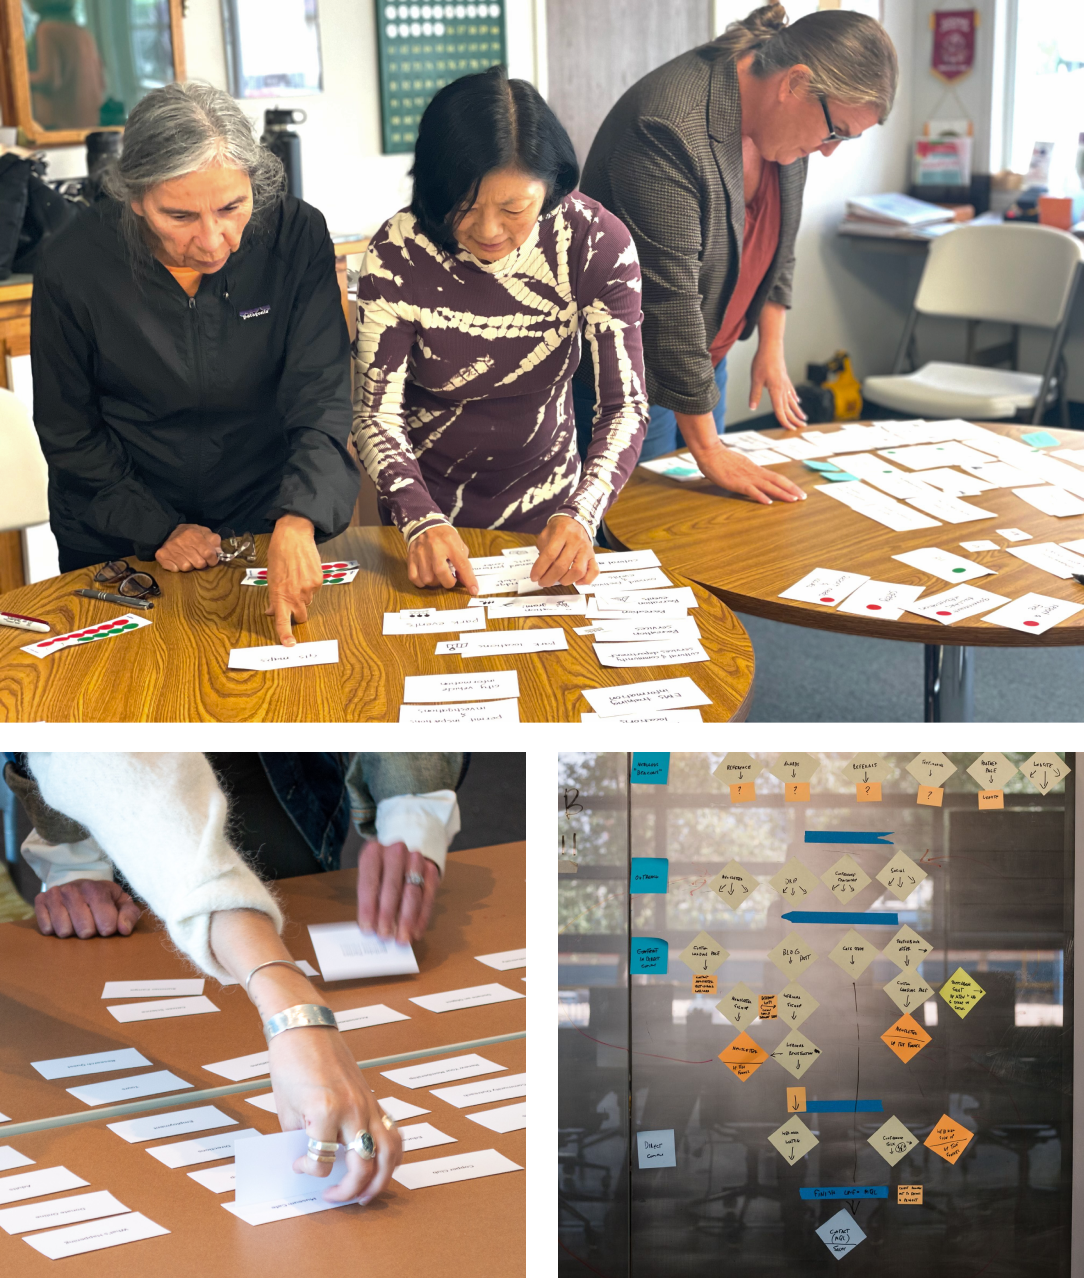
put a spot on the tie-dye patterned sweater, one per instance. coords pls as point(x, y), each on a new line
point(462, 376)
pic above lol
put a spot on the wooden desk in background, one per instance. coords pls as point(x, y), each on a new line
point(746, 553)
point(176, 668)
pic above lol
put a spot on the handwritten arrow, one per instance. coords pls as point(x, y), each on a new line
point(871, 919)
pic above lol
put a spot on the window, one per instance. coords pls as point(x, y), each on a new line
point(1047, 85)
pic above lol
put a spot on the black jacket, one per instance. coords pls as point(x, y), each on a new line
point(228, 409)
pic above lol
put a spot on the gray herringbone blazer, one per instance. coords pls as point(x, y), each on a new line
point(668, 161)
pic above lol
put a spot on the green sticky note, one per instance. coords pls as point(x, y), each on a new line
point(1040, 439)
point(838, 477)
point(824, 467)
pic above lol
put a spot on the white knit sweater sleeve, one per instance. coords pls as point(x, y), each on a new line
point(160, 818)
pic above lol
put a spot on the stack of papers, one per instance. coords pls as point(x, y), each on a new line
point(470, 698)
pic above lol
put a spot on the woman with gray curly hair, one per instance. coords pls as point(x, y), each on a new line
point(190, 357)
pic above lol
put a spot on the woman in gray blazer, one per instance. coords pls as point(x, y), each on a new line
point(704, 160)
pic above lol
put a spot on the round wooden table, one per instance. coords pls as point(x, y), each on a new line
point(175, 670)
point(746, 553)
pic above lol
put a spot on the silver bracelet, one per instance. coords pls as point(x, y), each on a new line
point(299, 1017)
point(270, 963)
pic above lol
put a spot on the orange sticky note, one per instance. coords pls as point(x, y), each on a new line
point(795, 1100)
point(704, 985)
point(868, 792)
point(906, 1038)
point(948, 1138)
point(930, 796)
point(766, 1007)
point(796, 792)
point(991, 799)
point(910, 1195)
point(744, 792)
point(743, 1056)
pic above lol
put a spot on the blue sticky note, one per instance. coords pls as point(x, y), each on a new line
point(656, 1149)
point(841, 1234)
point(648, 954)
point(648, 874)
point(837, 476)
point(650, 767)
point(1040, 439)
point(823, 467)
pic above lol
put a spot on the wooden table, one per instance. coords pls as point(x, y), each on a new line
point(52, 1004)
point(469, 1229)
point(176, 668)
point(746, 553)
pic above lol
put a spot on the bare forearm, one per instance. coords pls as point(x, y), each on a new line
point(241, 940)
point(771, 325)
point(701, 434)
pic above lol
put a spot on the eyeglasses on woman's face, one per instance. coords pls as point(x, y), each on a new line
point(834, 135)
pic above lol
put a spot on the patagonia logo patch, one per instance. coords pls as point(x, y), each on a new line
point(255, 313)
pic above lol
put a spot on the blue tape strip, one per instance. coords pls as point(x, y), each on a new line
point(847, 836)
point(844, 1107)
point(845, 1191)
point(871, 919)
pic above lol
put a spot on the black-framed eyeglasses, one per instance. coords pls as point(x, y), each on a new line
point(125, 580)
point(833, 135)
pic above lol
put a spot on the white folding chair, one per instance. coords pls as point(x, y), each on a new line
point(1015, 275)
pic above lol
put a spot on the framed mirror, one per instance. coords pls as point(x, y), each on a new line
point(72, 67)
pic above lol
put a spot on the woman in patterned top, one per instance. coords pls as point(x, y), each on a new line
point(470, 308)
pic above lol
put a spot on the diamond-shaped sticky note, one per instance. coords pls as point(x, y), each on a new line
point(854, 954)
point(841, 1233)
point(907, 949)
point(908, 991)
point(948, 1138)
point(931, 769)
point(1044, 771)
point(795, 767)
point(703, 954)
point(794, 881)
point(906, 1038)
point(796, 1054)
point(794, 1139)
point(845, 879)
point(901, 875)
point(795, 1004)
point(866, 768)
point(734, 885)
point(992, 771)
point(738, 767)
point(893, 1141)
point(792, 956)
point(739, 1006)
point(743, 1056)
point(961, 992)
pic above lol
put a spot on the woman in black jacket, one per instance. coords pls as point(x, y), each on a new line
point(190, 357)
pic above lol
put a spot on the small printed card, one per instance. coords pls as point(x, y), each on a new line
point(177, 1122)
point(643, 631)
point(366, 1017)
point(423, 1136)
point(1013, 534)
point(59, 1211)
point(508, 1118)
point(75, 1240)
point(335, 574)
point(273, 656)
point(627, 560)
point(955, 605)
point(400, 1109)
point(608, 599)
point(442, 1171)
point(35, 1184)
point(499, 684)
point(675, 652)
point(184, 1153)
point(444, 1070)
point(551, 605)
point(160, 1008)
point(98, 1063)
point(1050, 557)
point(471, 712)
point(483, 1091)
point(345, 953)
point(641, 579)
point(107, 630)
point(884, 600)
point(504, 960)
point(824, 586)
point(433, 621)
point(114, 1090)
point(651, 695)
point(1050, 499)
point(940, 563)
point(1034, 614)
point(473, 996)
point(976, 546)
point(151, 989)
point(550, 639)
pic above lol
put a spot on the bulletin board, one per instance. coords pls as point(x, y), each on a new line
point(849, 1014)
point(423, 47)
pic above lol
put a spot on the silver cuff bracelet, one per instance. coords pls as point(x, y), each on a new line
point(299, 1017)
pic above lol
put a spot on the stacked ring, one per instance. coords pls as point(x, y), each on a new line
point(363, 1145)
point(414, 879)
point(322, 1151)
point(389, 1123)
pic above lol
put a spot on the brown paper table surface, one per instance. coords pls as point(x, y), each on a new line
point(51, 1004)
point(473, 1228)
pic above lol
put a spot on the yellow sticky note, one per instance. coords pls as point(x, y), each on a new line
point(796, 792)
point(704, 985)
point(990, 799)
point(767, 1008)
point(910, 1195)
point(868, 793)
point(795, 1100)
point(930, 796)
point(745, 792)
point(961, 992)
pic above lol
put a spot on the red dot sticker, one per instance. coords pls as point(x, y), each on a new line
point(1031, 623)
point(826, 599)
point(874, 607)
point(944, 613)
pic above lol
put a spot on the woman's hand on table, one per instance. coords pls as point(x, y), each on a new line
point(439, 557)
point(84, 908)
point(387, 903)
point(566, 554)
point(294, 574)
point(769, 373)
point(189, 548)
point(729, 468)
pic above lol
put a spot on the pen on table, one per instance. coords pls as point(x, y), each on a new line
point(117, 599)
point(18, 622)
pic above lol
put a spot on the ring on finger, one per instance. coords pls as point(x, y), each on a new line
point(322, 1151)
point(363, 1145)
point(414, 879)
point(390, 1124)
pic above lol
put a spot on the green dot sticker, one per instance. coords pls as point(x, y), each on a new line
point(959, 570)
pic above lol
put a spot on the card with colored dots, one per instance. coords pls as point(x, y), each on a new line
point(825, 586)
point(943, 564)
point(89, 634)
